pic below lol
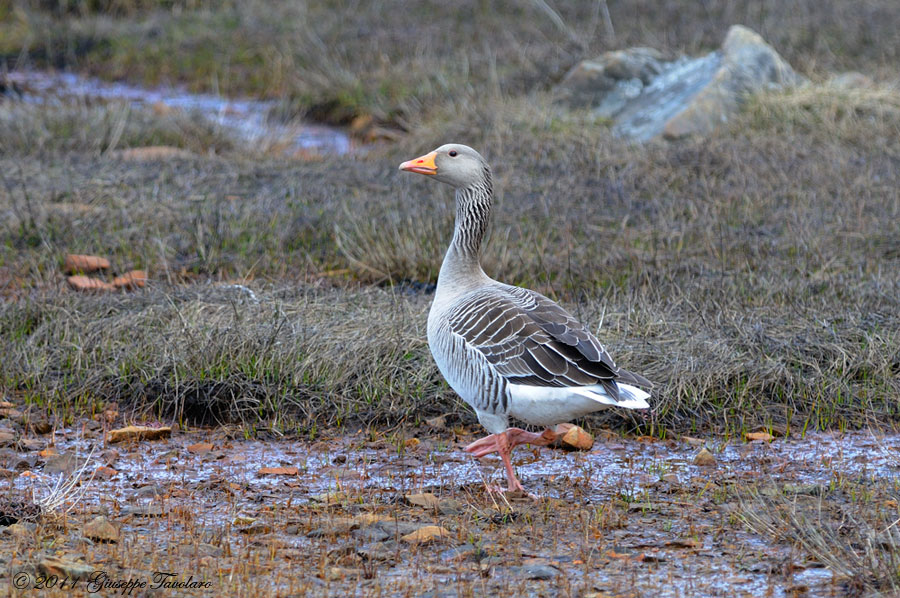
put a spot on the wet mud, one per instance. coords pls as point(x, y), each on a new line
point(401, 514)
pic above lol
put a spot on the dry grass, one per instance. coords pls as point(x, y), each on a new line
point(851, 529)
point(397, 61)
point(753, 276)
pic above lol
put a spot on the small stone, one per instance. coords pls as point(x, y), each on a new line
point(63, 568)
point(426, 534)
point(459, 553)
point(139, 433)
point(438, 423)
point(671, 478)
point(100, 529)
point(540, 572)
point(370, 534)
point(573, 438)
point(378, 551)
point(64, 463)
point(426, 500)
point(450, 506)
point(704, 458)
point(31, 444)
point(149, 510)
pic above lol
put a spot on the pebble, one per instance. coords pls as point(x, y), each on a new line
point(99, 528)
point(704, 458)
point(64, 568)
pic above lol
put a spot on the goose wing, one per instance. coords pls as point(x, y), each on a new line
point(531, 340)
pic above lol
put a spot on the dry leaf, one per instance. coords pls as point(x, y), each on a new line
point(200, 448)
point(105, 472)
point(139, 433)
point(424, 535)
point(130, 280)
point(278, 471)
point(765, 436)
point(86, 283)
point(84, 263)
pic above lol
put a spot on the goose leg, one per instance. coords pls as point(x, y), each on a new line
point(503, 443)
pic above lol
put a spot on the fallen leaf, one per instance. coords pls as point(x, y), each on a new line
point(764, 436)
point(105, 472)
point(130, 280)
point(139, 433)
point(278, 471)
point(426, 534)
point(86, 284)
point(618, 555)
point(48, 452)
point(684, 543)
point(200, 448)
point(411, 442)
point(84, 263)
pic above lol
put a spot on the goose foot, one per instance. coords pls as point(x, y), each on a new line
point(503, 444)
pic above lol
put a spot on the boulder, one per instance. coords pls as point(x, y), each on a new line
point(647, 97)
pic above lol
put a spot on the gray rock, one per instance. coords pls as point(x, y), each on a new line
point(647, 97)
point(541, 572)
point(64, 568)
point(378, 551)
point(62, 463)
point(590, 82)
point(748, 65)
point(370, 534)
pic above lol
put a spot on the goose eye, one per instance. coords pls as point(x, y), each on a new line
point(452, 153)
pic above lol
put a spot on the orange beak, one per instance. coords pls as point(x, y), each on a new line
point(422, 165)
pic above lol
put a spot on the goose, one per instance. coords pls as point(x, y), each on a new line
point(508, 351)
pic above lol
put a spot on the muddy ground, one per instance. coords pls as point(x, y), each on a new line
point(349, 515)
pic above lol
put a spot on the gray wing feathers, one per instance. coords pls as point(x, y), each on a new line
point(531, 340)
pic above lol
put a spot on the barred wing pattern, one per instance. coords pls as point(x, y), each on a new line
point(531, 340)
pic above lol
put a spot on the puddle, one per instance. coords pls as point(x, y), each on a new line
point(247, 119)
point(628, 516)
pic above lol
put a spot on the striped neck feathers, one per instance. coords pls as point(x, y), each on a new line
point(473, 214)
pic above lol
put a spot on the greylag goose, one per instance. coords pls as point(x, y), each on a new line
point(509, 351)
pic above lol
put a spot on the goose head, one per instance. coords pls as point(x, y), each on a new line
point(457, 165)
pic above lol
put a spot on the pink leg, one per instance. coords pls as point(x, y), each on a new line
point(503, 443)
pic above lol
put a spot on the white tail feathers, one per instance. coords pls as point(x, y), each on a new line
point(630, 397)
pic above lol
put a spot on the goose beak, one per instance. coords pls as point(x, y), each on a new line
point(422, 165)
